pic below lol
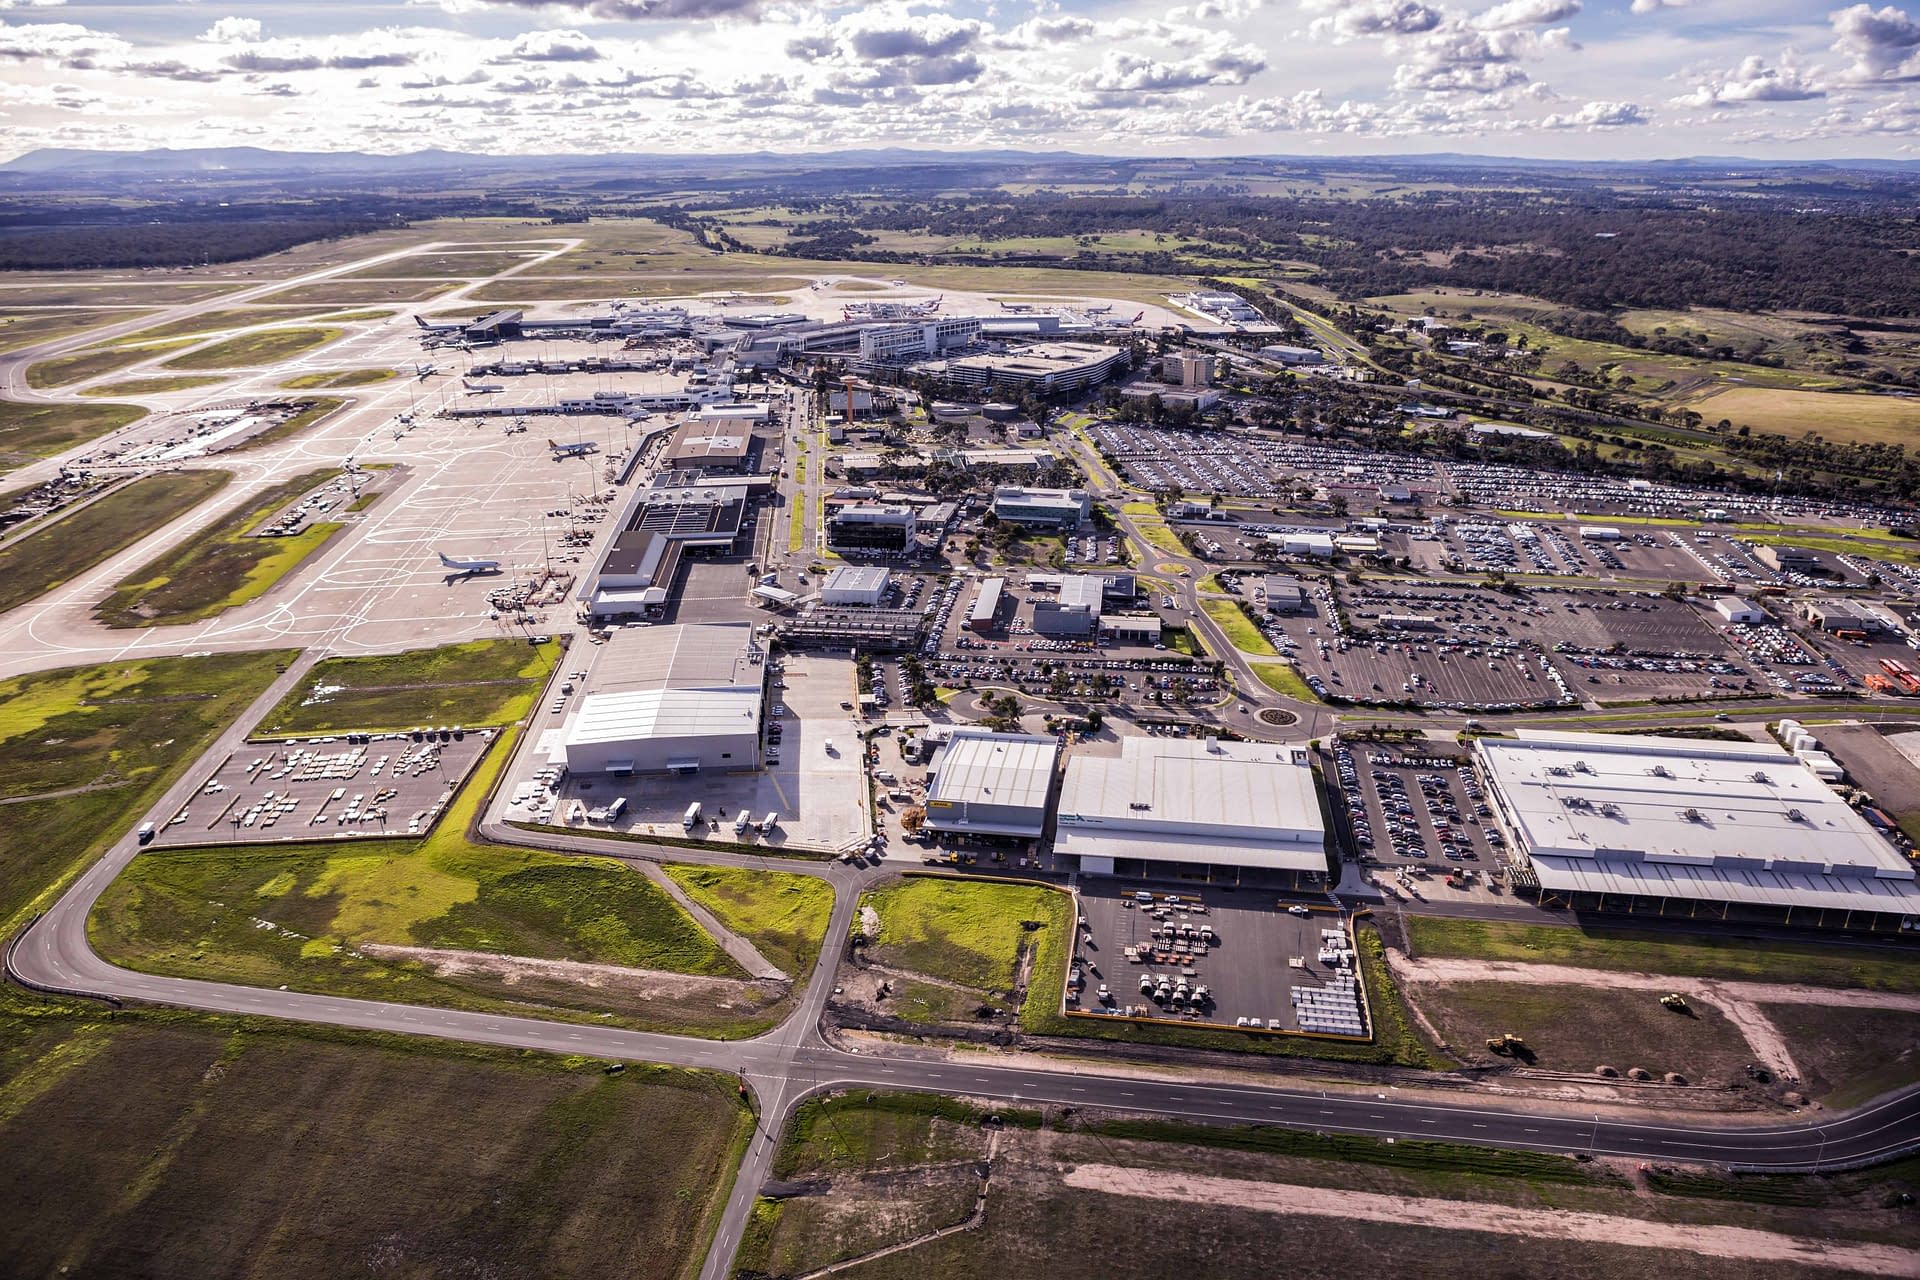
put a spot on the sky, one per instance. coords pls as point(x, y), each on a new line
point(1569, 79)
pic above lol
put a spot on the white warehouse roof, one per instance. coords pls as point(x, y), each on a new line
point(1190, 800)
point(665, 713)
point(992, 782)
point(1725, 821)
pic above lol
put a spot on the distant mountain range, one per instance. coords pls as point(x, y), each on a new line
point(261, 162)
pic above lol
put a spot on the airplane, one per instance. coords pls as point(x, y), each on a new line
point(1017, 308)
point(465, 566)
point(1138, 316)
point(1100, 310)
point(580, 450)
point(516, 427)
point(425, 371)
point(482, 388)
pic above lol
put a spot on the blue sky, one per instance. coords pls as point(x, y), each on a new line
point(1616, 79)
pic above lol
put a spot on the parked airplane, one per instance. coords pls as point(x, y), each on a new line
point(425, 371)
point(579, 450)
point(1100, 310)
point(482, 388)
point(463, 565)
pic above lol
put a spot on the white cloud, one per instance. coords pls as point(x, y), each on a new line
point(1526, 13)
point(31, 4)
point(1882, 43)
point(551, 46)
point(1655, 6)
point(1598, 115)
point(1361, 19)
point(1755, 81)
point(233, 31)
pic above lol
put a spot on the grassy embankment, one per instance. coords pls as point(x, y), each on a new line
point(30, 432)
point(479, 683)
point(20, 329)
point(1241, 632)
point(222, 567)
point(150, 386)
point(248, 350)
point(1283, 679)
point(333, 907)
point(784, 914)
point(73, 544)
point(1705, 955)
point(328, 378)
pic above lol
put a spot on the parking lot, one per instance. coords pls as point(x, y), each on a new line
point(812, 784)
point(350, 785)
point(1414, 811)
point(1218, 958)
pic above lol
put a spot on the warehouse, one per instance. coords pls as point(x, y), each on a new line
point(1789, 559)
point(991, 784)
point(1735, 609)
point(1287, 595)
point(854, 584)
point(1841, 615)
point(1042, 367)
point(669, 700)
point(1665, 826)
point(1194, 802)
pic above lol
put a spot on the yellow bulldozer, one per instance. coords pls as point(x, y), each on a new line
point(1674, 1001)
point(1506, 1043)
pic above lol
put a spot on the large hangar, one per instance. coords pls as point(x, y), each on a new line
point(1678, 826)
point(1194, 801)
point(670, 700)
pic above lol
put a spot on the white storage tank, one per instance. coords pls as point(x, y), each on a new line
point(1786, 727)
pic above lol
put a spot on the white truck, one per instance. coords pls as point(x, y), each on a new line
point(692, 816)
point(768, 823)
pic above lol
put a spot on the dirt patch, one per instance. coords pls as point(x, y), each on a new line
point(1733, 1243)
point(645, 984)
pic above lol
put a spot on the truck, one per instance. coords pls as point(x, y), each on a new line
point(145, 833)
point(616, 807)
point(769, 822)
point(691, 816)
point(741, 822)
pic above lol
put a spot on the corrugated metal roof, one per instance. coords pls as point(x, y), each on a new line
point(978, 767)
point(694, 656)
point(1197, 792)
point(1746, 885)
point(665, 713)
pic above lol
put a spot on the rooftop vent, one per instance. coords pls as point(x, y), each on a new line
point(1693, 815)
point(1661, 771)
point(1794, 815)
point(1761, 778)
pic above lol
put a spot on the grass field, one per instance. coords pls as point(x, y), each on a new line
point(30, 432)
point(61, 371)
point(151, 386)
point(1702, 956)
point(58, 552)
point(479, 683)
point(330, 908)
point(220, 568)
point(1283, 679)
point(966, 932)
point(31, 328)
point(1878, 419)
point(353, 293)
point(1847, 1056)
point(248, 350)
point(188, 1147)
point(474, 263)
point(337, 378)
point(1576, 1028)
point(316, 409)
point(85, 750)
point(215, 322)
point(1241, 632)
point(783, 914)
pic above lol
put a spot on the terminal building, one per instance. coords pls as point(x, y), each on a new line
point(1678, 827)
point(1194, 802)
point(1043, 367)
point(1051, 508)
point(991, 784)
point(669, 700)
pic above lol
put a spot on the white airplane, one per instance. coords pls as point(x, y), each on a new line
point(1100, 310)
point(425, 371)
point(463, 565)
point(482, 388)
point(580, 450)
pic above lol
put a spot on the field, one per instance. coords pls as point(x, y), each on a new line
point(1847, 1056)
point(1575, 1029)
point(906, 1172)
point(221, 567)
point(316, 409)
point(964, 933)
point(434, 921)
point(482, 682)
point(85, 750)
point(1283, 679)
point(30, 432)
point(268, 346)
point(81, 365)
point(1879, 419)
point(56, 553)
point(1700, 956)
point(353, 293)
point(174, 1146)
point(151, 386)
point(474, 263)
point(784, 915)
point(31, 328)
point(337, 378)
point(1241, 632)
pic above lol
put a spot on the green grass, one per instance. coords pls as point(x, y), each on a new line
point(122, 731)
point(881, 1130)
point(1707, 955)
point(20, 329)
point(969, 932)
point(475, 264)
point(165, 1144)
point(30, 432)
point(213, 322)
point(338, 377)
point(221, 567)
point(151, 386)
point(1159, 534)
point(1241, 632)
point(81, 365)
point(783, 914)
point(797, 523)
point(248, 350)
point(1183, 640)
point(479, 683)
point(192, 913)
point(1283, 679)
point(58, 552)
point(315, 410)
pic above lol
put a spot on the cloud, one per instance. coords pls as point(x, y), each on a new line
point(1457, 58)
point(291, 58)
point(639, 10)
point(933, 36)
point(1526, 13)
point(1881, 42)
point(1131, 73)
point(233, 31)
point(31, 4)
point(1361, 19)
point(1598, 115)
point(66, 43)
point(1754, 81)
point(551, 46)
point(1655, 6)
